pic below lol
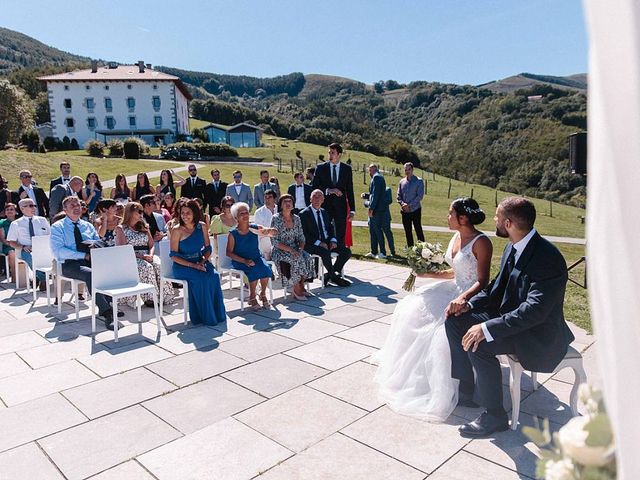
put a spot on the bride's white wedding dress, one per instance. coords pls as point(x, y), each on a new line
point(414, 371)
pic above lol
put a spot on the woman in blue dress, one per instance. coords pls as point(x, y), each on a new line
point(190, 251)
point(242, 249)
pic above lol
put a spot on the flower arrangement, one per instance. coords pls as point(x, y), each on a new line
point(424, 257)
point(583, 449)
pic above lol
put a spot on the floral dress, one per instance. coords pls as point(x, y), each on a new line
point(302, 265)
point(148, 272)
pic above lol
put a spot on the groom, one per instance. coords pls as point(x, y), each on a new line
point(519, 313)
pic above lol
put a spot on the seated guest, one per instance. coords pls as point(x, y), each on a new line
point(10, 211)
point(21, 231)
point(301, 193)
point(61, 191)
point(143, 187)
point(67, 237)
point(263, 217)
point(205, 215)
point(224, 222)
point(242, 249)
point(29, 189)
point(135, 231)
point(92, 192)
point(155, 221)
point(175, 217)
point(288, 247)
point(106, 221)
point(190, 251)
point(121, 191)
point(168, 201)
point(320, 239)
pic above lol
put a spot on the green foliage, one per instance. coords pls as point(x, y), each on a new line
point(207, 149)
point(49, 143)
point(16, 112)
point(74, 145)
point(200, 134)
point(31, 139)
point(95, 148)
point(133, 147)
point(116, 147)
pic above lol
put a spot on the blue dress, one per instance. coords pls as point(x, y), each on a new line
point(246, 246)
point(206, 302)
point(91, 206)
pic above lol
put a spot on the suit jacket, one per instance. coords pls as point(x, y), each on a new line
point(58, 193)
point(245, 194)
point(213, 197)
point(530, 310)
point(41, 200)
point(54, 182)
point(258, 193)
point(307, 193)
point(196, 191)
point(322, 180)
point(310, 226)
point(377, 194)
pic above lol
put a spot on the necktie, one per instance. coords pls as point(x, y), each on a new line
point(69, 193)
point(81, 247)
point(264, 187)
point(193, 181)
point(334, 175)
point(320, 229)
point(216, 186)
point(32, 232)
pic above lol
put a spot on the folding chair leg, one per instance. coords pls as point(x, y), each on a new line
point(75, 300)
point(59, 293)
point(185, 292)
point(158, 321)
point(271, 291)
point(162, 282)
point(139, 306)
point(48, 291)
point(93, 311)
point(514, 387)
point(241, 293)
point(114, 308)
point(35, 290)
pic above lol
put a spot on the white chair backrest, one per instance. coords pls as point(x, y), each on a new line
point(166, 264)
point(114, 267)
point(223, 260)
point(41, 252)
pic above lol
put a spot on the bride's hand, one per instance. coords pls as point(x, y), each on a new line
point(457, 307)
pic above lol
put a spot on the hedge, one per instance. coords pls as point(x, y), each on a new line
point(207, 149)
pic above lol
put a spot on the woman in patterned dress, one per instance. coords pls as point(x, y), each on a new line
point(288, 247)
point(134, 231)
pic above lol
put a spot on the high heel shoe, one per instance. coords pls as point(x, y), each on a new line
point(298, 297)
point(265, 301)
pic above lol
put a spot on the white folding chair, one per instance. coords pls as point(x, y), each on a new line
point(118, 282)
point(18, 260)
point(321, 269)
point(6, 268)
point(74, 289)
point(42, 260)
point(225, 265)
point(166, 275)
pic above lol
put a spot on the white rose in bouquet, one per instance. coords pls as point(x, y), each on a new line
point(426, 253)
point(559, 470)
point(438, 258)
point(573, 441)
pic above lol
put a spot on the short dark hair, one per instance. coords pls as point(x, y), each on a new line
point(214, 171)
point(264, 171)
point(520, 211)
point(284, 197)
point(298, 174)
point(311, 170)
point(270, 192)
point(62, 164)
point(335, 146)
point(237, 172)
point(147, 199)
point(105, 204)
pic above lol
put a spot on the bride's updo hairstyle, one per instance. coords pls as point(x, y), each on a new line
point(469, 208)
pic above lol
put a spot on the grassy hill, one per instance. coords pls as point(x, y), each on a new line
point(528, 80)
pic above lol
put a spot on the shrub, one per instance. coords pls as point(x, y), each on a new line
point(66, 143)
point(74, 144)
point(200, 133)
point(49, 143)
point(116, 147)
point(31, 139)
point(131, 151)
point(41, 149)
point(95, 148)
point(208, 149)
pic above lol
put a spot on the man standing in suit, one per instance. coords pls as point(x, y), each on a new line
point(64, 178)
point(379, 215)
point(320, 239)
point(519, 313)
point(62, 191)
point(335, 180)
point(263, 186)
point(214, 192)
point(36, 194)
point(301, 193)
point(240, 192)
point(194, 185)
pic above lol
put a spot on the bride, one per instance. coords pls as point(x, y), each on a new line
point(414, 372)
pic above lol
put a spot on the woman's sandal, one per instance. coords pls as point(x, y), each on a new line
point(265, 301)
point(253, 303)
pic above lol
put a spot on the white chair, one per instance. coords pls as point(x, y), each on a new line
point(74, 289)
point(166, 275)
point(42, 260)
point(321, 269)
point(6, 268)
point(572, 360)
point(18, 260)
point(225, 265)
point(114, 273)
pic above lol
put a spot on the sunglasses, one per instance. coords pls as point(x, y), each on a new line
point(227, 205)
point(237, 176)
point(31, 205)
point(26, 176)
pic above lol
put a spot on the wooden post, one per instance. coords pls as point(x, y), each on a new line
point(433, 176)
point(471, 192)
point(364, 175)
point(449, 192)
point(551, 208)
point(496, 199)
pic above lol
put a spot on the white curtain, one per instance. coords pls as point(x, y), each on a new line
point(613, 214)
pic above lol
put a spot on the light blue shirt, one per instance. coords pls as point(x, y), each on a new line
point(63, 243)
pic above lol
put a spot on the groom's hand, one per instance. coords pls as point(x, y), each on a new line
point(472, 338)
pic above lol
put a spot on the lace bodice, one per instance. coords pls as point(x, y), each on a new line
point(465, 264)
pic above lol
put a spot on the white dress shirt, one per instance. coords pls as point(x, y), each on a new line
point(300, 203)
point(238, 187)
point(519, 246)
point(324, 228)
point(19, 229)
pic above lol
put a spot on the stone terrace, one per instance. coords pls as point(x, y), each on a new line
point(280, 394)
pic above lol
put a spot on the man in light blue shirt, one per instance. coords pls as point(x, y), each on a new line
point(410, 194)
point(67, 237)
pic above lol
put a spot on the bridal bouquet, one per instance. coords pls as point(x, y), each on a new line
point(424, 257)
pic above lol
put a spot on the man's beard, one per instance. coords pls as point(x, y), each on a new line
point(501, 232)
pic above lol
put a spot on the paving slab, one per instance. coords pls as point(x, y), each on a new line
point(192, 338)
point(227, 450)
point(308, 329)
point(258, 346)
point(350, 316)
point(381, 304)
point(550, 401)
point(117, 391)
point(130, 470)
point(353, 384)
point(12, 326)
point(194, 366)
point(246, 323)
point(106, 441)
point(44, 381)
point(202, 404)
point(339, 457)
point(12, 364)
point(20, 341)
point(63, 331)
point(109, 362)
point(331, 353)
point(27, 463)
point(32, 420)
point(326, 301)
point(372, 334)
point(58, 352)
point(301, 417)
point(423, 445)
point(275, 375)
point(464, 466)
point(290, 311)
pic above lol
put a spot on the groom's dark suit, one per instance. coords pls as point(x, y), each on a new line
point(523, 313)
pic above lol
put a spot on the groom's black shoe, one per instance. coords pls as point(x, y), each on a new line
point(466, 400)
point(485, 425)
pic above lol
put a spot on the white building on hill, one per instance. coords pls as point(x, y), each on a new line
point(118, 101)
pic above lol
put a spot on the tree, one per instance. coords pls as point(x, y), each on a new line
point(16, 112)
point(378, 87)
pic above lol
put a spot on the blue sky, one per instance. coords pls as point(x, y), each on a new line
point(458, 41)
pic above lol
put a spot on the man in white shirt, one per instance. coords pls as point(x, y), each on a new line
point(263, 217)
point(301, 193)
point(22, 229)
point(64, 178)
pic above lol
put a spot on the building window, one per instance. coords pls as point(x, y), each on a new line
point(132, 122)
point(91, 123)
point(69, 123)
point(156, 103)
point(108, 104)
point(90, 103)
point(67, 103)
point(157, 121)
point(155, 87)
point(111, 123)
point(106, 87)
point(66, 87)
point(87, 87)
point(131, 104)
point(129, 87)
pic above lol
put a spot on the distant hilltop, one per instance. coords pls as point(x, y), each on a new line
point(577, 82)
